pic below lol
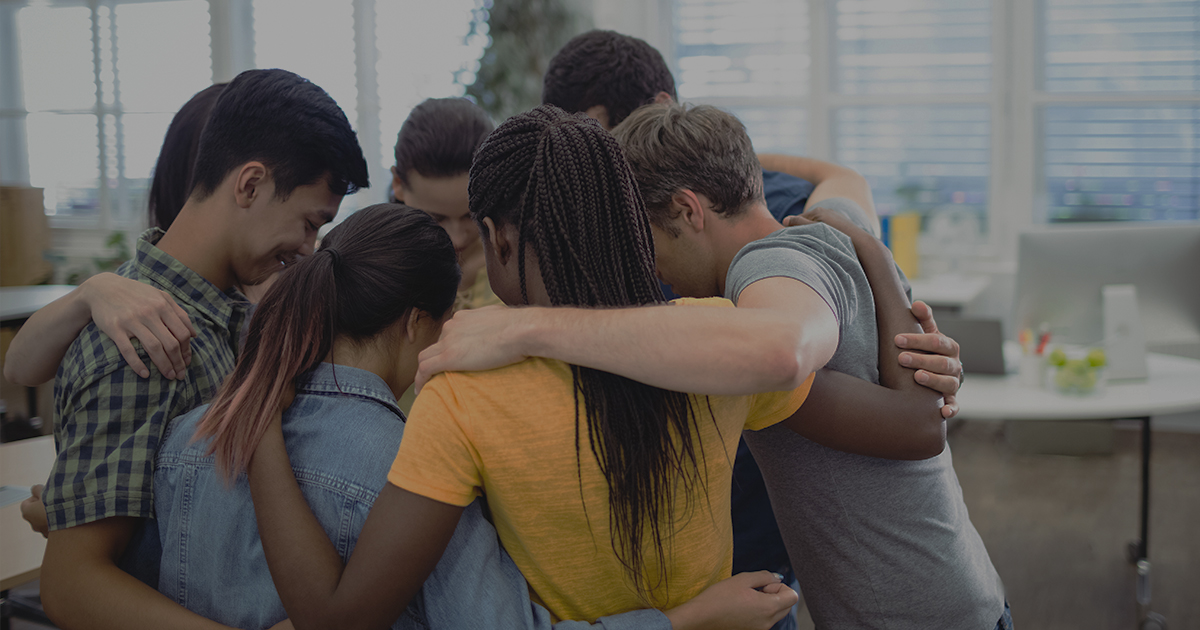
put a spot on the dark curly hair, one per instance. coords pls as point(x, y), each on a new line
point(620, 72)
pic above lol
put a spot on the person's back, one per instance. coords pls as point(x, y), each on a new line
point(342, 430)
point(511, 434)
point(877, 543)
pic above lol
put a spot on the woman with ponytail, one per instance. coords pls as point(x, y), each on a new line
point(343, 327)
point(609, 494)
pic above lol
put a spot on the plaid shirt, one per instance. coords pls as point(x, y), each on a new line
point(109, 420)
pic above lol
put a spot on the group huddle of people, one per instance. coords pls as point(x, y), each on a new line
point(474, 407)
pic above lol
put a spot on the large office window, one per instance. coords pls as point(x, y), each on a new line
point(976, 110)
point(1131, 156)
point(101, 82)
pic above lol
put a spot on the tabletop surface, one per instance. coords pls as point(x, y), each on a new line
point(21, 302)
point(952, 290)
point(22, 463)
point(1172, 387)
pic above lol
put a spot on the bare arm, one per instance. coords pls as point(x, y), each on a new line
point(123, 309)
point(898, 419)
point(831, 180)
point(82, 586)
point(400, 543)
point(780, 333)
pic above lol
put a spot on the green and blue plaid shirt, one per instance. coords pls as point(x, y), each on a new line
point(109, 421)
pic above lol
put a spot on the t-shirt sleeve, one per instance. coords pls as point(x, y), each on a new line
point(771, 408)
point(817, 255)
point(436, 458)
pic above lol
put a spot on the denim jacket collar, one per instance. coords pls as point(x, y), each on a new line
point(327, 378)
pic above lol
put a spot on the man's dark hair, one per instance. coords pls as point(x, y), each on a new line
point(620, 72)
point(286, 122)
point(173, 172)
point(672, 147)
point(439, 138)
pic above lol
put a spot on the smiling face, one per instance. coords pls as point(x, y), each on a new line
point(276, 231)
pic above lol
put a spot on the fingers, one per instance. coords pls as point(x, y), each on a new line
point(935, 363)
point(949, 406)
point(131, 356)
point(36, 491)
point(169, 348)
point(156, 349)
point(796, 220)
point(944, 385)
point(757, 579)
point(924, 315)
point(785, 599)
point(936, 343)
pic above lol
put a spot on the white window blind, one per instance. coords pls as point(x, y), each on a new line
point(913, 46)
point(1122, 163)
point(751, 58)
point(1122, 46)
point(919, 158)
point(1137, 159)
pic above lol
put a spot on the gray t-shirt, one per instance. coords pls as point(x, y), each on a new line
point(875, 543)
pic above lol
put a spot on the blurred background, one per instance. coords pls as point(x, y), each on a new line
point(973, 120)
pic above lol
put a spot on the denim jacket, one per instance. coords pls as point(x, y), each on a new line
point(342, 433)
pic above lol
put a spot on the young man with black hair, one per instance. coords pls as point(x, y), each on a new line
point(275, 160)
point(608, 75)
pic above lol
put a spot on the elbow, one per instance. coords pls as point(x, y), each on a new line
point(933, 438)
point(929, 435)
point(782, 368)
point(14, 375)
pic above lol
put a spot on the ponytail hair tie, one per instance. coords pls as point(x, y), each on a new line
point(337, 257)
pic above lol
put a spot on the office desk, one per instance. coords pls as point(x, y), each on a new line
point(22, 463)
point(1173, 386)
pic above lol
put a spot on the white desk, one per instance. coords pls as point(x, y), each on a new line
point(1173, 386)
point(950, 291)
point(22, 463)
point(18, 303)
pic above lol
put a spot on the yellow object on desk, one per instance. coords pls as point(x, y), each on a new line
point(904, 230)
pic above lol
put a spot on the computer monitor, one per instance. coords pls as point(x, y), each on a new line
point(1061, 272)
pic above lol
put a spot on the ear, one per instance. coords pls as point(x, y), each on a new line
point(410, 324)
point(248, 183)
point(397, 186)
point(498, 241)
point(688, 210)
point(663, 97)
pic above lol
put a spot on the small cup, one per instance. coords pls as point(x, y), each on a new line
point(1031, 371)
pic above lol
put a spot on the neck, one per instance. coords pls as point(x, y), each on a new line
point(197, 240)
point(752, 225)
point(376, 356)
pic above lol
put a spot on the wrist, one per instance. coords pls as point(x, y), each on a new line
point(533, 331)
point(83, 299)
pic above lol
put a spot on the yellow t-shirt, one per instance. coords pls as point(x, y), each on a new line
point(510, 434)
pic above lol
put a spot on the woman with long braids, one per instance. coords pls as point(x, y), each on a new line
point(610, 495)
